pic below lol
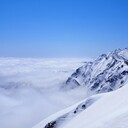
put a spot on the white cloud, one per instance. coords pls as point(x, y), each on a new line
point(32, 91)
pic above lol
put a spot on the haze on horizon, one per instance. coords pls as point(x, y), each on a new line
point(67, 28)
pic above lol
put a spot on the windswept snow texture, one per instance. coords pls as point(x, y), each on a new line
point(59, 119)
point(30, 89)
point(105, 74)
point(111, 111)
point(108, 110)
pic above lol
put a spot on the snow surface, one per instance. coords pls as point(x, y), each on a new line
point(108, 111)
point(29, 89)
point(69, 113)
point(124, 53)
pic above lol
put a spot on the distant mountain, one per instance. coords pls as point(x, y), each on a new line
point(106, 73)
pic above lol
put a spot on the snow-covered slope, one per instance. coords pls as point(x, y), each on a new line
point(108, 112)
point(60, 118)
point(107, 73)
point(99, 111)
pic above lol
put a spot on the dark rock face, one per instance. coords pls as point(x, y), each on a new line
point(96, 85)
point(126, 62)
point(73, 81)
point(124, 72)
point(51, 125)
point(106, 73)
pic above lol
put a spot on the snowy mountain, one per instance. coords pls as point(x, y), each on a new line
point(106, 73)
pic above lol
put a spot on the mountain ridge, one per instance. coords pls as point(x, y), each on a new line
point(103, 74)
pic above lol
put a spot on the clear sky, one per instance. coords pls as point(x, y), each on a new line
point(62, 28)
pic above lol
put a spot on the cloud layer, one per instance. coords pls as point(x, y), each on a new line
point(29, 89)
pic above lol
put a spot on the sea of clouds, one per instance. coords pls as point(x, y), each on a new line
point(30, 89)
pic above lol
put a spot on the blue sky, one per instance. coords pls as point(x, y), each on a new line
point(62, 28)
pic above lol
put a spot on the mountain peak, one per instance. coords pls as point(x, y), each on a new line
point(107, 73)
